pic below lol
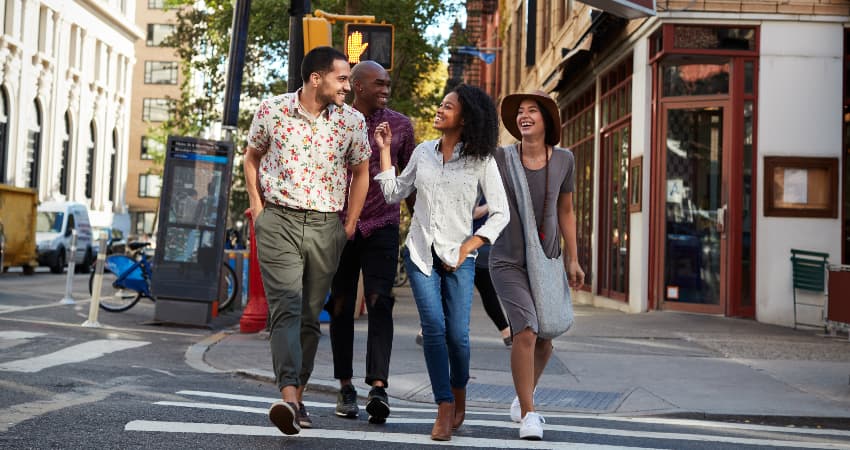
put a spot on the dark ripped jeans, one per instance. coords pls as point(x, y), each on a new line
point(377, 256)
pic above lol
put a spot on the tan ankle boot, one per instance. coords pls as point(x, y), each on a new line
point(442, 430)
point(460, 407)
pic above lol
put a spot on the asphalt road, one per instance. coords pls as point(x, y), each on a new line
point(135, 384)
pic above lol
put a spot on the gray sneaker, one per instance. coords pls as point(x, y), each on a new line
point(346, 402)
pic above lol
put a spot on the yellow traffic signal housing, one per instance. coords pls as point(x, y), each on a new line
point(317, 33)
point(370, 41)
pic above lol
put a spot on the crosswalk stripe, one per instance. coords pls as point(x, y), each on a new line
point(400, 438)
point(18, 335)
point(504, 411)
point(549, 428)
point(73, 354)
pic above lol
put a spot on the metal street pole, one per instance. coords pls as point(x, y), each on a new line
point(235, 66)
point(297, 10)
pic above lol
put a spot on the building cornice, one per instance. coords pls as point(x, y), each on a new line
point(128, 27)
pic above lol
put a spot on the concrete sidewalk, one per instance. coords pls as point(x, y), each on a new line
point(613, 363)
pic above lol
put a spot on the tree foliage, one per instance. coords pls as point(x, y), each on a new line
point(202, 39)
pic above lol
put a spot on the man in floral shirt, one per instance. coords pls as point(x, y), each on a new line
point(374, 250)
point(300, 148)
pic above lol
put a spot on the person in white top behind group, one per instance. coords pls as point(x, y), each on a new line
point(447, 175)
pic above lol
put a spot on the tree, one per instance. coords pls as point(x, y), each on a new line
point(202, 39)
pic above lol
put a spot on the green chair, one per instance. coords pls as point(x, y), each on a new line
point(808, 271)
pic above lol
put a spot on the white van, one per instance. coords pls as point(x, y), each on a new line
point(54, 223)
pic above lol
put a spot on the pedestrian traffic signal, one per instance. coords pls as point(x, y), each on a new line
point(370, 41)
point(317, 33)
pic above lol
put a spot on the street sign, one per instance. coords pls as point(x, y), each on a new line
point(369, 41)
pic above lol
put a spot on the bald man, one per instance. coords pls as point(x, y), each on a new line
point(374, 250)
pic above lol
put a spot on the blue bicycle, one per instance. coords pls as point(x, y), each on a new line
point(126, 279)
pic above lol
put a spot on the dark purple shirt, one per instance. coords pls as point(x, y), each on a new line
point(377, 213)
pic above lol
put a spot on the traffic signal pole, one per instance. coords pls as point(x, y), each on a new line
point(235, 66)
point(297, 10)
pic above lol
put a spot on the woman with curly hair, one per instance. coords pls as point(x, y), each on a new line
point(448, 175)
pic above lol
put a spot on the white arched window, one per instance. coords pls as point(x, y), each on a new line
point(90, 159)
point(113, 168)
point(66, 156)
point(4, 133)
point(33, 148)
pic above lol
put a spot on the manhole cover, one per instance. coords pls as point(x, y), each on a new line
point(547, 397)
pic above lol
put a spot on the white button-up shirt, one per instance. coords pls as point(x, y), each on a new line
point(446, 195)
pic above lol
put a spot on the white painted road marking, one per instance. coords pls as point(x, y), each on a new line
point(73, 354)
point(16, 335)
point(650, 420)
point(352, 435)
point(549, 428)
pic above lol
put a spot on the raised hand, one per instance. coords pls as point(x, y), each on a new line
point(383, 136)
point(356, 47)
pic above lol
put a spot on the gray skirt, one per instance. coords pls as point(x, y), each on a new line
point(511, 283)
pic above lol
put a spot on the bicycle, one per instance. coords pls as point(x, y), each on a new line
point(127, 279)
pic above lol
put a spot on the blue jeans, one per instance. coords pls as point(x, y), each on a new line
point(444, 300)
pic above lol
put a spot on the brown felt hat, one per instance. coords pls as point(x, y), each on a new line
point(510, 106)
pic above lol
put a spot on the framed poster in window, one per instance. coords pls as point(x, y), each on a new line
point(800, 187)
point(635, 183)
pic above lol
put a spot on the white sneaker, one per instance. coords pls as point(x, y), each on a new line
point(516, 411)
point(531, 427)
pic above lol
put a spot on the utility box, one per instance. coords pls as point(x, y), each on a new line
point(838, 298)
point(190, 239)
point(17, 228)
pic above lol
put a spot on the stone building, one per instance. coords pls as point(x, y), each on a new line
point(65, 98)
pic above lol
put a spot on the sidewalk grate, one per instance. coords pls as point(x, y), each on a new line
point(547, 397)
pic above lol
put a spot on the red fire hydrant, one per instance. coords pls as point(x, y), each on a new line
point(257, 310)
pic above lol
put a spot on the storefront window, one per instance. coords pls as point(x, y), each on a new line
point(695, 79)
point(714, 38)
point(613, 254)
point(578, 137)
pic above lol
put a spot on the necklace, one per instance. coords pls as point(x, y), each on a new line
point(545, 191)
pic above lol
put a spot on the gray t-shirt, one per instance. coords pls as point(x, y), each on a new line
point(509, 248)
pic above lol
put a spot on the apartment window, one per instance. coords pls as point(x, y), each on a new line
point(4, 133)
point(149, 185)
point(90, 153)
point(34, 148)
point(143, 224)
point(578, 136)
point(531, 32)
point(156, 109)
point(158, 32)
point(156, 4)
point(517, 46)
point(546, 23)
point(150, 148)
point(161, 72)
point(66, 155)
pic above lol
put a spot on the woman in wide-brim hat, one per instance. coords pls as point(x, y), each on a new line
point(534, 120)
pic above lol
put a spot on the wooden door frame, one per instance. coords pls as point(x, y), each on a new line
point(659, 199)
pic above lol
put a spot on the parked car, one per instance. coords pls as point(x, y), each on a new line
point(55, 222)
point(115, 241)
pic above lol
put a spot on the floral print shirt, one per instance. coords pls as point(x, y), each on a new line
point(305, 159)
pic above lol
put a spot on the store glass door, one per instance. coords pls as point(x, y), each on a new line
point(695, 216)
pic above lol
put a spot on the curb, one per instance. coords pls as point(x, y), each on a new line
point(194, 355)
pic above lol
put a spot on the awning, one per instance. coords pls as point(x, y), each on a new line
point(628, 9)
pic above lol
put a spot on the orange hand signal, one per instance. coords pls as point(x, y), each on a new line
point(356, 47)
